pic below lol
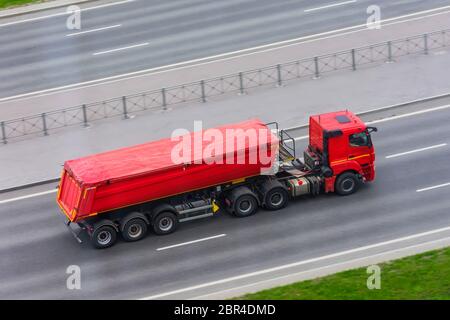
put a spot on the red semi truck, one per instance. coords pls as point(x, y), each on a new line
point(130, 190)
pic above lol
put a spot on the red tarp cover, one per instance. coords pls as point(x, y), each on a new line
point(140, 159)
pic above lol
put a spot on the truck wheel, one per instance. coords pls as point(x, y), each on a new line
point(165, 223)
point(134, 230)
point(276, 199)
point(346, 184)
point(245, 206)
point(104, 237)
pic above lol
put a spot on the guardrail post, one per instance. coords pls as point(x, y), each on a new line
point(389, 44)
point(202, 87)
point(316, 68)
point(280, 80)
point(85, 120)
point(354, 59)
point(125, 109)
point(44, 124)
point(164, 100)
point(425, 43)
point(241, 83)
point(2, 124)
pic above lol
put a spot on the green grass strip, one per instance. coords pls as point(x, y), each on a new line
point(421, 277)
point(6, 4)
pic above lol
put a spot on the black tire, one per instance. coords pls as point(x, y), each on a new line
point(165, 223)
point(104, 237)
point(347, 183)
point(134, 230)
point(245, 206)
point(276, 199)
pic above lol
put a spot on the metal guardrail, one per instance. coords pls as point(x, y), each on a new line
point(234, 83)
point(291, 129)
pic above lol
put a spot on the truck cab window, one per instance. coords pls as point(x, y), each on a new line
point(359, 140)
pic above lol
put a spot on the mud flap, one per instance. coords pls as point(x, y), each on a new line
point(75, 235)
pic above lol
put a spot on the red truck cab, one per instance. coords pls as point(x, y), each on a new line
point(341, 143)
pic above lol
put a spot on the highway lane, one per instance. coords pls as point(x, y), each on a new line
point(36, 248)
point(38, 55)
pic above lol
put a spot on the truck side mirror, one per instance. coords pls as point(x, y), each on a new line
point(372, 129)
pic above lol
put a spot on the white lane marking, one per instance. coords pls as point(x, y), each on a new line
point(421, 100)
point(334, 265)
point(415, 151)
point(295, 264)
point(385, 108)
point(121, 49)
point(434, 187)
point(370, 122)
point(191, 242)
point(225, 56)
point(65, 13)
point(409, 114)
point(301, 138)
point(28, 196)
point(395, 118)
point(93, 30)
point(330, 6)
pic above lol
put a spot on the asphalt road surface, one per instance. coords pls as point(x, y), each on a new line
point(409, 196)
point(40, 54)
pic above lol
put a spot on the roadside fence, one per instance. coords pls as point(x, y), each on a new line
point(200, 91)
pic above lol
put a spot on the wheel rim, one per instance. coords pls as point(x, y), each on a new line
point(135, 230)
point(245, 206)
point(348, 185)
point(276, 199)
point(104, 237)
point(165, 224)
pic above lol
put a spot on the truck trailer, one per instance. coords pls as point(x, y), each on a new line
point(159, 184)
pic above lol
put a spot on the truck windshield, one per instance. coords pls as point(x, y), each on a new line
point(359, 139)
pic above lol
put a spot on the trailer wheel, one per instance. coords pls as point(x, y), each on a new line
point(346, 184)
point(165, 223)
point(276, 199)
point(104, 237)
point(134, 230)
point(246, 205)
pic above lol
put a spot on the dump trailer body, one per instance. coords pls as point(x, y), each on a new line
point(147, 172)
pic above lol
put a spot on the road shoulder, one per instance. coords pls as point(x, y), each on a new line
point(39, 7)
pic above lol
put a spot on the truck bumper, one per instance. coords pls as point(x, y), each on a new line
point(369, 173)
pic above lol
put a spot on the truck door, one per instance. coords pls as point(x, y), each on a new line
point(360, 148)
